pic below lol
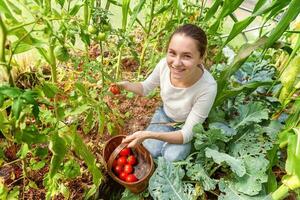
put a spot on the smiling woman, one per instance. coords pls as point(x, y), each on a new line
point(187, 90)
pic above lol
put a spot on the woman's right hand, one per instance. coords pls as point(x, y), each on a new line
point(122, 84)
point(136, 138)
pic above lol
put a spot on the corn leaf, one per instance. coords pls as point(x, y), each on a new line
point(291, 13)
point(244, 52)
point(125, 12)
point(136, 10)
point(229, 7)
point(212, 10)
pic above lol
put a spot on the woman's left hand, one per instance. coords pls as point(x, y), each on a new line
point(136, 138)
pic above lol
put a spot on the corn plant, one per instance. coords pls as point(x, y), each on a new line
point(290, 139)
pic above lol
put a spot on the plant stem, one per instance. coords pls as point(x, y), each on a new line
point(52, 62)
point(119, 61)
point(280, 193)
point(3, 37)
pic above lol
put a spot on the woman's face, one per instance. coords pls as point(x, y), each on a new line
point(183, 57)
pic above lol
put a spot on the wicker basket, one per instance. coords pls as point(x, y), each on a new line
point(143, 170)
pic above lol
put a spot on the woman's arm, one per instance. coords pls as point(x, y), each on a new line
point(174, 137)
point(136, 87)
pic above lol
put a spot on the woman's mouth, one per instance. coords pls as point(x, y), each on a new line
point(176, 70)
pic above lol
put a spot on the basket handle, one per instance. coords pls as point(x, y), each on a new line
point(114, 154)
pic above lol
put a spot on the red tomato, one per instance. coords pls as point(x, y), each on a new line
point(131, 160)
point(131, 178)
point(122, 160)
point(115, 163)
point(118, 169)
point(125, 152)
point(114, 89)
point(123, 176)
point(128, 169)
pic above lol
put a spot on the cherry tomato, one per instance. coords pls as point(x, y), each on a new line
point(115, 163)
point(118, 169)
point(122, 160)
point(125, 152)
point(128, 168)
point(131, 160)
point(131, 178)
point(92, 29)
point(101, 36)
point(123, 176)
point(114, 89)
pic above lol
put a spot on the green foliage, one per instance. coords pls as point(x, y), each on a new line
point(236, 165)
point(166, 182)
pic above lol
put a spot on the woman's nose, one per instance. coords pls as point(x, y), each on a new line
point(177, 62)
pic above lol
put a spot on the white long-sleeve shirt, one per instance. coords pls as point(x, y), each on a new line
point(190, 105)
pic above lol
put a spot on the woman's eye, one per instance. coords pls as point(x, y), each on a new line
point(171, 53)
point(187, 56)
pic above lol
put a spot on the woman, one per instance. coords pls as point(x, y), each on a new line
point(187, 90)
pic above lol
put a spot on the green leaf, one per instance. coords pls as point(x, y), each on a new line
point(1, 100)
point(78, 110)
point(207, 138)
point(273, 129)
point(196, 172)
point(82, 150)
point(290, 14)
point(49, 89)
point(75, 9)
point(23, 151)
point(13, 194)
point(228, 192)
point(125, 11)
point(136, 10)
point(250, 113)
point(61, 3)
point(34, 165)
point(128, 195)
point(14, 8)
point(244, 52)
point(71, 169)
point(292, 166)
point(58, 148)
point(17, 107)
point(212, 10)
point(228, 7)
point(81, 87)
point(250, 141)
point(225, 129)
point(236, 165)
point(11, 92)
point(30, 135)
point(255, 176)
point(164, 7)
point(246, 88)
point(166, 182)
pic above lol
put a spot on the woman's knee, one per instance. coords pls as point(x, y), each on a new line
point(176, 152)
point(153, 146)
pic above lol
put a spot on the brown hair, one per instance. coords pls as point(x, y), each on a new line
point(194, 32)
